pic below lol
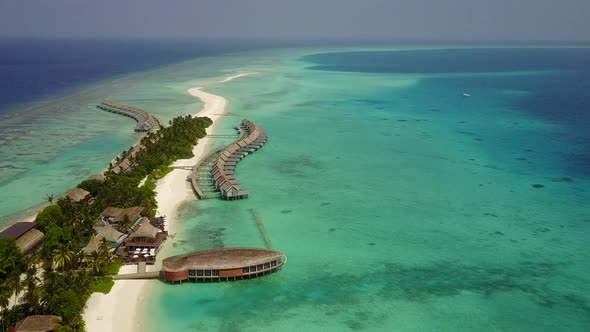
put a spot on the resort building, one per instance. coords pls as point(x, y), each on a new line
point(108, 233)
point(26, 235)
point(144, 242)
point(145, 235)
point(36, 323)
point(99, 177)
point(77, 195)
point(222, 264)
point(115, 215)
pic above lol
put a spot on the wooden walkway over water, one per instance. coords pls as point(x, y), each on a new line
point(145, 121)
point(262, 229)
point(214, 175)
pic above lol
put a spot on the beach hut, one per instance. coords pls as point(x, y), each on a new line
point(111, 235)
point(92, 246)
point(117, 215)
point(26, 235)
point(77, 195)
point(37, 323)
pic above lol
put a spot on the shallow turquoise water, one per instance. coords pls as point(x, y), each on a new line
point(51, 145)
point(400, 204)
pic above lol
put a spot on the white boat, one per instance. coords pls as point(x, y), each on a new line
point(466, 94)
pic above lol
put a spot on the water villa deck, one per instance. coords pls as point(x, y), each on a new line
point(215, 175)
point(222, 264)
point(145, 120)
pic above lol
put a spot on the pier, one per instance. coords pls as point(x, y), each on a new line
point(145, 120)
point(262, 229)
point(138, 275)
point(214, 176)
point(223, 136)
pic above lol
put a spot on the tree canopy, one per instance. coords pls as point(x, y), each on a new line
point(68, 277)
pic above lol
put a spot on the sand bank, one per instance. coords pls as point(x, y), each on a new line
point(117, 311)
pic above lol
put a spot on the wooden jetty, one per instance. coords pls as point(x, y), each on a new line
point(216, 171)
point(223, 136)
point(138, 275)
point(199, 178)
point(145, 120)
point(262, 229)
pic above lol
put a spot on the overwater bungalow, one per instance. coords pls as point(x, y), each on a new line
point(222, 264)
point(222, 169)
point(145, 120)
point(231, 191)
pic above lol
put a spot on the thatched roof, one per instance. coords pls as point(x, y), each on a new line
point(220, 259)
point(254, 135)
point(228, 185)
point(38, 323)
point(145, 229)
point(17, 229)
point(118, 214)
point(109, 233)
point(76, 194)
point(29, 240)
point(96, 177)
point(232, 148)
point(92, 246)
point(216, 173)
point(221, 180)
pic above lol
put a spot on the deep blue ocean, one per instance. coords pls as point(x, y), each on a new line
point(31, 69)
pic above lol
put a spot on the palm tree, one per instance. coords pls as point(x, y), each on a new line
point(96, 261)
point(62, 256)
point(4, 297)
point(15, 285)
point(31, 282)
point(103, 250)
point(49, 198)
point(33, 259)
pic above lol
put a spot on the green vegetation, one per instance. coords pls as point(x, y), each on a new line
point(58, 279)
point(102, 285)
point(110, 269)
point(157, 151)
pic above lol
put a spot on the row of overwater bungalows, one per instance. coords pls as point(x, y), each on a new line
point(145, 120)
point(223, 171)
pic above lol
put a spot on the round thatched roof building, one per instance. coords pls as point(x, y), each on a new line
point(222, 264)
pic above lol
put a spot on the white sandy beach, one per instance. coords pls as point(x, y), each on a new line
point(117, 311)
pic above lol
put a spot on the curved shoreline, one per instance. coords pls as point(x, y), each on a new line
point(119, 310)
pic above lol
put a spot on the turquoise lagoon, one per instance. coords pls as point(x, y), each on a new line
point(400, 204)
